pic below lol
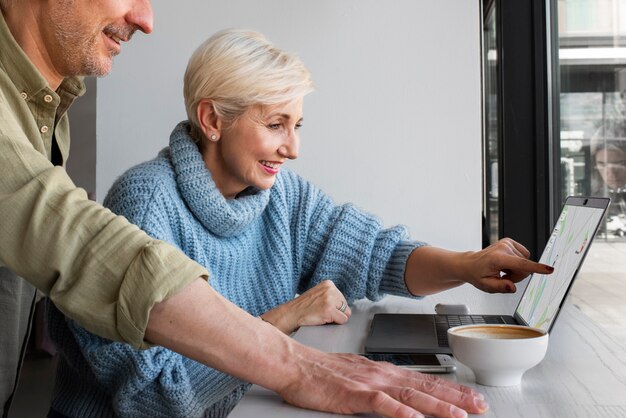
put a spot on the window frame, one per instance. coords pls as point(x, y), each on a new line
point(527, 47)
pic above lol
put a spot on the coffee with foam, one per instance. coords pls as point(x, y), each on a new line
point(503, 332)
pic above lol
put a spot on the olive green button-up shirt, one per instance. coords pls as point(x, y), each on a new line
point(97, 268)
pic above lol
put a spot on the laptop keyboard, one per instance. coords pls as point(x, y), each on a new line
point(443, 322)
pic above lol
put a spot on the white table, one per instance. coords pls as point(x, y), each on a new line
point(583, 374)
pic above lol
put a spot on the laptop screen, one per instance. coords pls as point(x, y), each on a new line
point(565, 250)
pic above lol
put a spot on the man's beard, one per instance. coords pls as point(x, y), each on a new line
point(79, 50)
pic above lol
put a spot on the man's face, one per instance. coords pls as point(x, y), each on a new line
point(83, 36)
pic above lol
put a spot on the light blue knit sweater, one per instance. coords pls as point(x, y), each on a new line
point(260, 249)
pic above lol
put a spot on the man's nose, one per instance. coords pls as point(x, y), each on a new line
point(141, 16)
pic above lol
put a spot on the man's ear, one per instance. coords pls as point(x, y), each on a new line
point(210, 123)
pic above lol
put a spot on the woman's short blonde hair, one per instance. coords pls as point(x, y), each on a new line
point(237, 69)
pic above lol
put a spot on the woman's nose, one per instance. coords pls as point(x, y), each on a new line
point(291, 147)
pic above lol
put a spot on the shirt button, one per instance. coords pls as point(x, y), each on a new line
point(47, 98)
point(44, 129)
point(24, 95)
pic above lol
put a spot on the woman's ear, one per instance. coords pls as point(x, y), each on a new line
point(210, 123)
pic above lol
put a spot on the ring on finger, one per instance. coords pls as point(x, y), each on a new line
point(343, 306)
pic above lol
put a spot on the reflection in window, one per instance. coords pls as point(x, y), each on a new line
point(592, 56)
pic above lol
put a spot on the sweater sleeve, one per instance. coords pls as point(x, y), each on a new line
point(346, 245)
point(154, 382)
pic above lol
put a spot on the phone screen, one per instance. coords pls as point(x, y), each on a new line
point(427, 363)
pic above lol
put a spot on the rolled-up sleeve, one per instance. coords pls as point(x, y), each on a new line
point(97, 268)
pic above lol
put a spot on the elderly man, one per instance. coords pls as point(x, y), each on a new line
point(91, 262)
point(116, 281)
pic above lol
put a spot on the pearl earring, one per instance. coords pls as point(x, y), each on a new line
point(213, 137)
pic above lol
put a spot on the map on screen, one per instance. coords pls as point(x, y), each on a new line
point(564, 251)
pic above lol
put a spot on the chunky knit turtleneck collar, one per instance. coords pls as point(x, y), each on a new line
point(221, 216)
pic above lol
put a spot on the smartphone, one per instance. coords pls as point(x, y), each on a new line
point(427, 363)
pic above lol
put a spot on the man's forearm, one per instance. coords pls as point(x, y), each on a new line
point(201, 324)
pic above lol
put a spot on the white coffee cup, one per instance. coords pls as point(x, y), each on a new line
point(498, 354)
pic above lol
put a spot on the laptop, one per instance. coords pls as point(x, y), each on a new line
point(540, 303)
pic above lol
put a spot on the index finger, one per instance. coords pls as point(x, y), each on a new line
point(529, 266)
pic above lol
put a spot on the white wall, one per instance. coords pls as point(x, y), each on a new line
point(394, 124)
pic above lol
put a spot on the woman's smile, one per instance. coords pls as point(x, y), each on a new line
point(270, 167)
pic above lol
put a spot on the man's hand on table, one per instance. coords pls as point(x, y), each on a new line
point(201, 324)
point(351, 384)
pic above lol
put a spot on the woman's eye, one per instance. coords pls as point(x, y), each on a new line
point(298, 125)
point(274, 126)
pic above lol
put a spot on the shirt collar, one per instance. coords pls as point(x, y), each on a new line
point(25, 76)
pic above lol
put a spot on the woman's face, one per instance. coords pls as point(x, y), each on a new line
point(611, 164)
point(252, 150)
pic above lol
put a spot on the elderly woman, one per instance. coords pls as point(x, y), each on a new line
point(220, 193)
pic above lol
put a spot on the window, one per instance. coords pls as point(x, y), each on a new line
point(592, 137)
point(554, 107)
point(592, 56)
